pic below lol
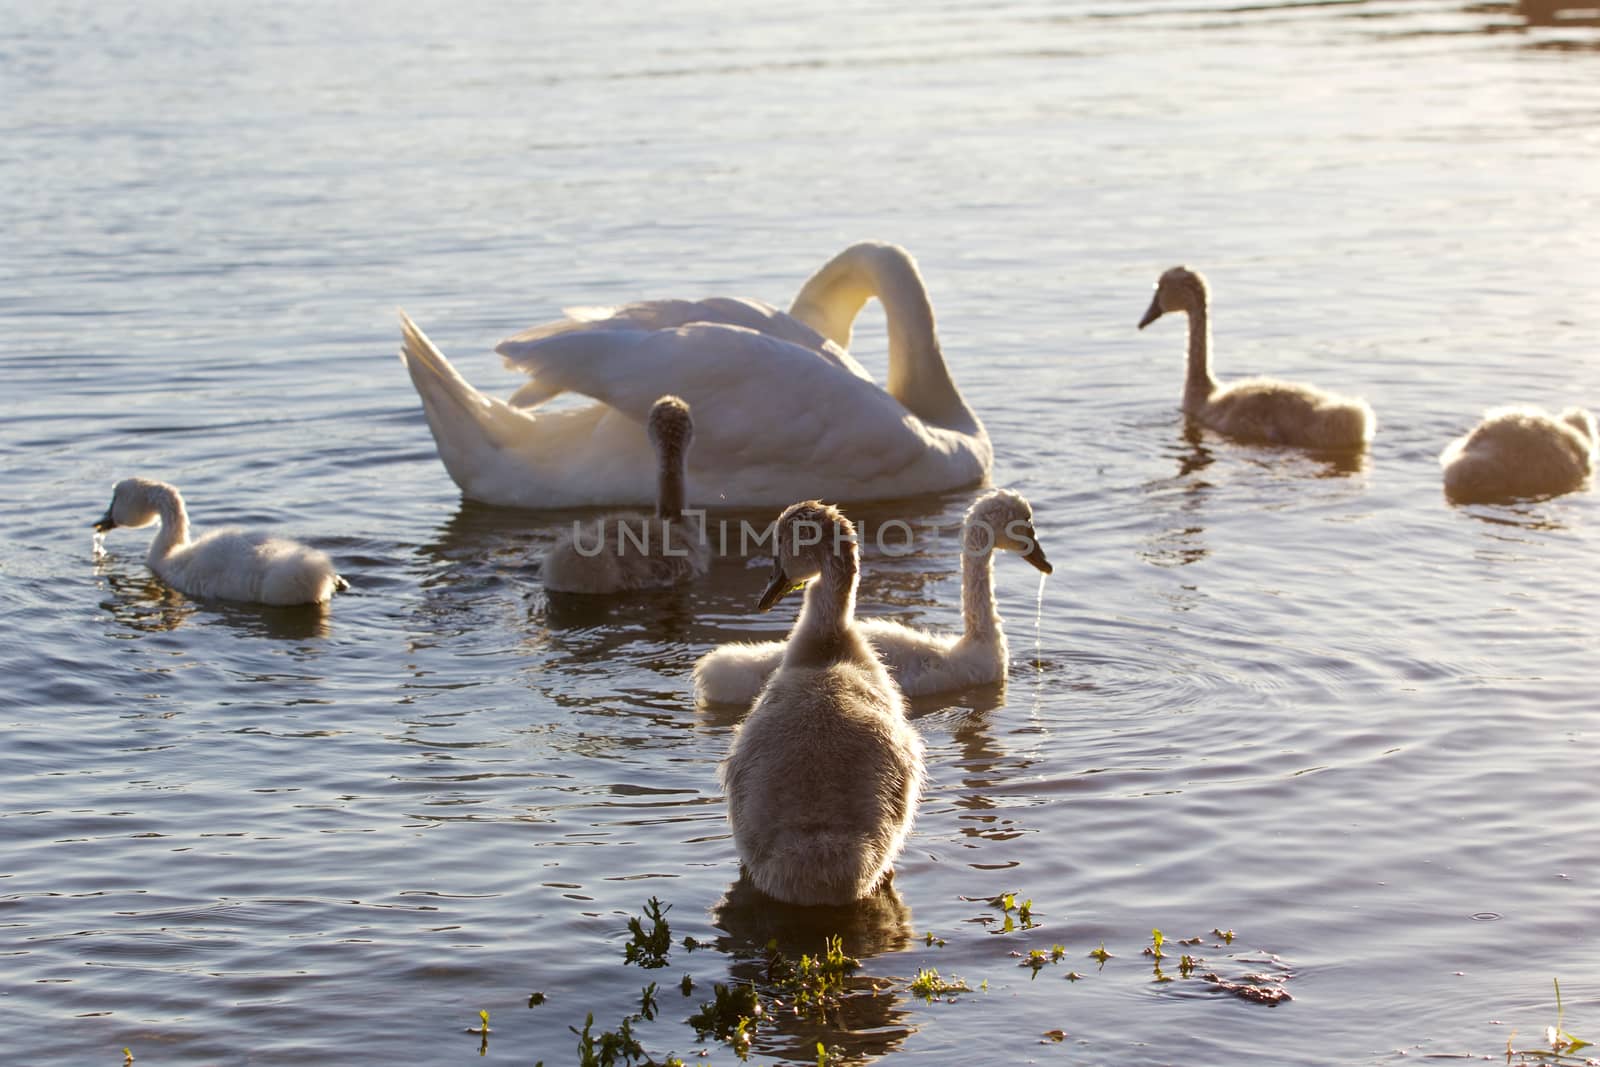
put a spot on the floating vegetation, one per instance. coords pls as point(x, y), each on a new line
point(1057, 1036)
point(535, 999)
point(929, 940)
point(610, 1048)
point(647, 1001)
point(1157, 939)
point(1100, 954)
point(127, 1053)
point(649, 950)
point(928, 985)
point(1226, 935)
point(687, 985)
point(1260, 988)
point(1014, 914)
point(1187, 964)
point(815, 983)
point(1037, 959)
point(690, 944)
point(1563, 1046)
point(731, 1016)
point(483, 1031)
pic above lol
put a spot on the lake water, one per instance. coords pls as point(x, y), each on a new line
point(1317, 707)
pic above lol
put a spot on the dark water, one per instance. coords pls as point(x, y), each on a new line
point(1314, 706)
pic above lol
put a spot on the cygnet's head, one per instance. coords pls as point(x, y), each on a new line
point(1004, 520)
point(808, 534)
point(1179, 289)
point(670, 426)
point(1581, 420)
point(133, 503)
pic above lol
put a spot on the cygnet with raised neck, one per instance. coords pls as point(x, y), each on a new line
point(824, 776)
point(1260, 410)
point(920, 661)
point(620, 553)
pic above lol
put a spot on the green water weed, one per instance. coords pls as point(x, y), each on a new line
point(817, 983)
point(732, 1012)
point(649, 950)
point(928, 984)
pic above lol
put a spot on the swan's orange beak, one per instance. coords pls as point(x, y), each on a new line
point(106, 522)
point(1153, 312)
point(776, 588)
point(1035, 556)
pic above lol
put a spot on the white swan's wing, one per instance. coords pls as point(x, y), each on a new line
point(653, 315)
point(761, 404)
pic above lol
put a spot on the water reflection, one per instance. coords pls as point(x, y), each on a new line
point(870, 1021)
point(1560, 12)
point(1178, 542)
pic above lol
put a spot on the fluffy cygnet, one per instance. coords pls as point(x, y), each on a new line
point(1255, 409)
point(619, 553)
point(824, 776)
point(1521, 452)
point(227, 564)
point(920, 662)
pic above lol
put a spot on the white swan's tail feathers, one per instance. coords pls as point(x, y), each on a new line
point(466, 424)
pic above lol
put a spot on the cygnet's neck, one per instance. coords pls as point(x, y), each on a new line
point(918, 378)
point(825, 632)
point(1199, 385)
point(979, 614)
point(174, 532)
point(670, 483)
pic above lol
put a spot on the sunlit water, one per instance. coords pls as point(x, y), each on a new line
point(1310, 704)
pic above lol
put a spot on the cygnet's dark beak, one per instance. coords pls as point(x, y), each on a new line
point(1153, 312)
point(776, 588)
point(1035, 556)
point(106, 522)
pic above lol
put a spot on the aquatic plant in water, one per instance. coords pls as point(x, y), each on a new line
point(731, 1016)
point(816, 983)
point(928, 984)
point(649, 950)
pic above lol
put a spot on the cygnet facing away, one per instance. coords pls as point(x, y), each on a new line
point(921, 662)
point(228, 564)
point(824, 776)
point(619, 553)
point(1521, 452)
point(1254, 409)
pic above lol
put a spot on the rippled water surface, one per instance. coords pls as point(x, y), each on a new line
point(1312, 705)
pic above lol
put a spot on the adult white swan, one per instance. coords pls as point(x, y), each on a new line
point(782, 410)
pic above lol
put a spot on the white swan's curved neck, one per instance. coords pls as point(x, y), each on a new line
point(174, 532)
point(1199, 385)
point(979, 614)
point(918, 378)
point(825, 631)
